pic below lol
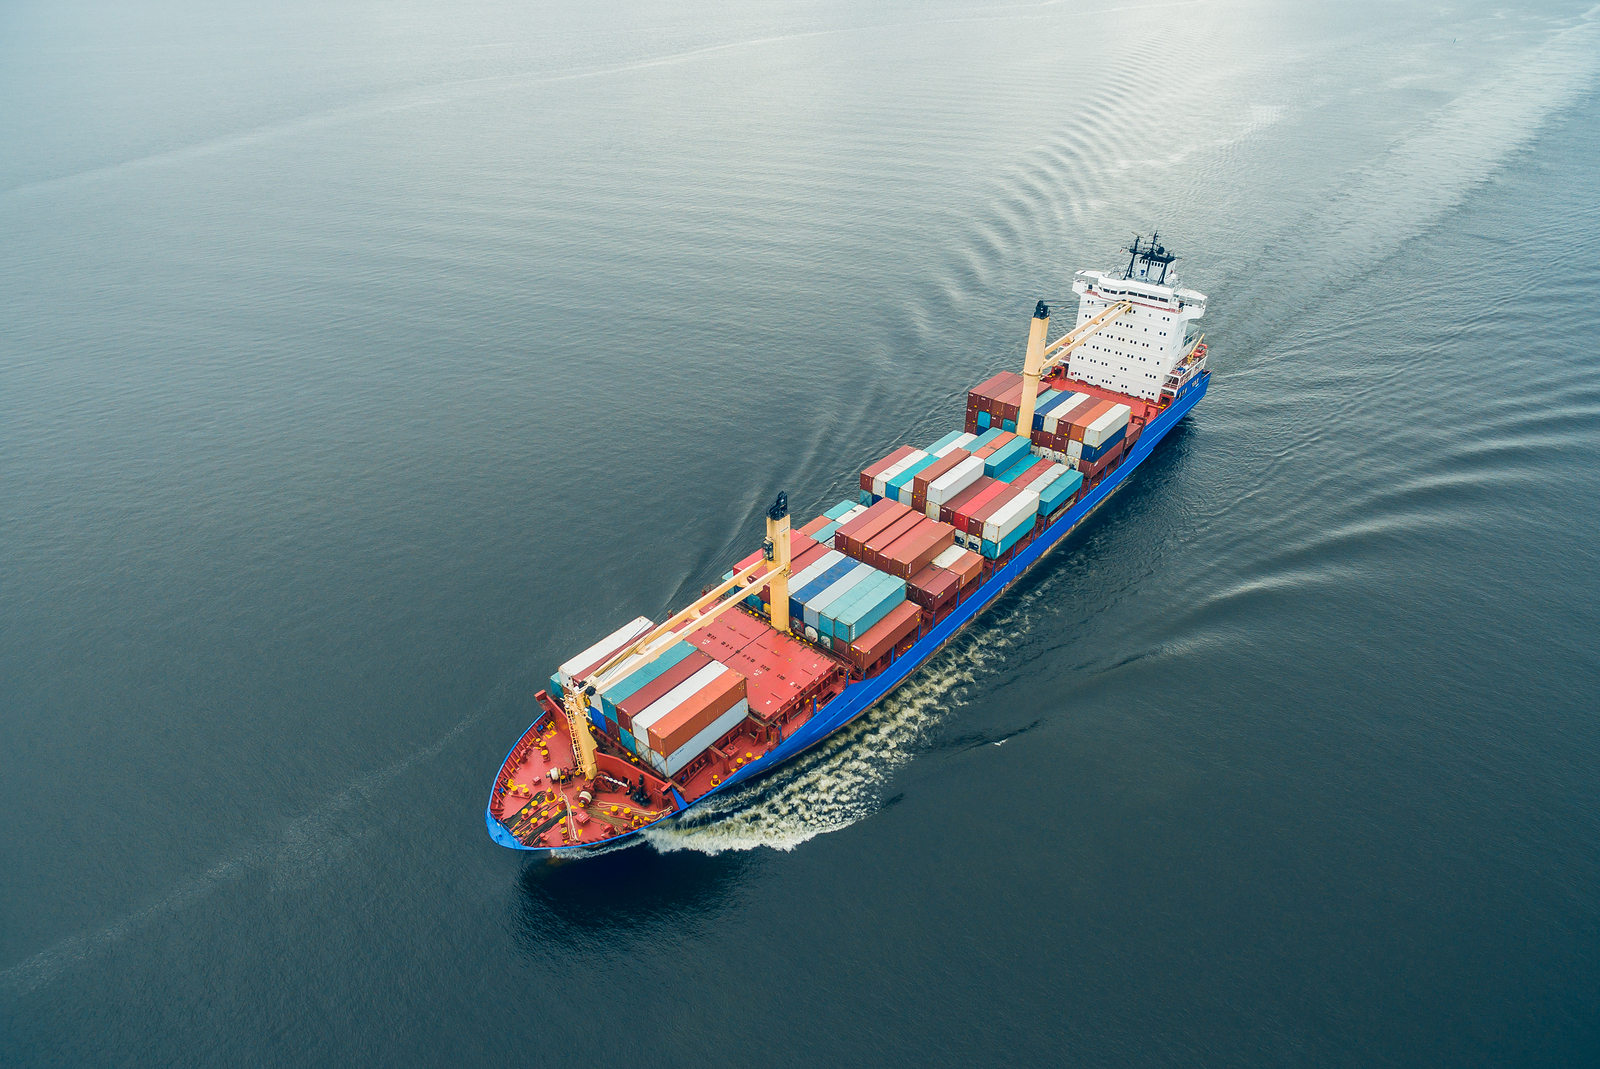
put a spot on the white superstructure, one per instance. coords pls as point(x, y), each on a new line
point(1139, 352)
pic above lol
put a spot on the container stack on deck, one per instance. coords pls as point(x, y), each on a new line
point(1080, 430)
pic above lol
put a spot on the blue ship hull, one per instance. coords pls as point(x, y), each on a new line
point(857, 698)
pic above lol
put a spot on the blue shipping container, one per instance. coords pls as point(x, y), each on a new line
point(816, 606)
point(983, 421)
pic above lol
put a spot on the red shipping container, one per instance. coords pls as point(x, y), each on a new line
point(640, 699)
point(697, 712)
point(887, 633)
point(854, 544)
point(872, 470)
point(778, 670)
point(968, 568)
point(920, 481)
point(869, 522)
point(963, 517)
point(1039, 468)
point(810, 530)
point(916, 549)
point(872, 549)
point(932, 587)
point(990, 507)
point(947, 511)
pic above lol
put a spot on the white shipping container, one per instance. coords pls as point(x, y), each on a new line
point(1051, 419)
point(674, 698)
point(948, 557)
point(1039, 485)
point(602, 650)
point(1074, 451)
point(812, 570)
point(960, 443)
point(879, 481)
point(1010, 516)
point(696, 746)
point(954, 481)
point(1096, 433)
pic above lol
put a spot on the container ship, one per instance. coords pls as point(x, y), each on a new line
point(822, 621)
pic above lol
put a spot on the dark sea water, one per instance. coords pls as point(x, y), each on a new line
point(361, 362)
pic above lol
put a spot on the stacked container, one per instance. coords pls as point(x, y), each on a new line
point(996, 403)
point(1009, 523)
point(870, 473)
point(899, 626)
point(942, 490)
point(676, 727)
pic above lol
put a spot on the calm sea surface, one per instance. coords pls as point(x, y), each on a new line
point(359, 362)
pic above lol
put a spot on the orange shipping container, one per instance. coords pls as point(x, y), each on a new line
point(887, 633)
point(696, 712)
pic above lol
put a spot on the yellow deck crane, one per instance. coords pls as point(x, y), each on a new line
point(772, 570)
point(1042, 357)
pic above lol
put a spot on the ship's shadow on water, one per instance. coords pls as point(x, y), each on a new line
point(631, 889)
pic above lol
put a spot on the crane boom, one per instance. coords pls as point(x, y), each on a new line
point(773, 571)
point(1042, 357)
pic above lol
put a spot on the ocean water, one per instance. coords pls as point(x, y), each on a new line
point(359, 362)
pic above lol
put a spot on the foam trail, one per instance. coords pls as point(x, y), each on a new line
point(838, 782)
point(305, 849)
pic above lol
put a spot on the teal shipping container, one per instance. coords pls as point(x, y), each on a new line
point(869, 609)
point(993, 551)
point(983, 421)
point(948, 439)
point(840, 509)
point(814, 608)
point(1059, 492)
point(1005, 456)
point(624, 688)
point(828, 619)
point(1022, 464)
point(902, 483)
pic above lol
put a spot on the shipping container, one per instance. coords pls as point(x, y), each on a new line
point(838, 511)
point(917, 548)
point(1006, 455)
point(646, 717)
point(954, 481)
point(1034, 471)
point(817, 578)
point(676, 762)
point(996, 550)
point(586, 662)
point(1100, 431)
point(673, 729)
point(956, 511)
point(948, 440)
point(877, 467)
point(871, 551)
point(880, 481)
point(1023, 508)
point(1091, 453)
point(630, 684)
point(1000, 440)
point(961, 441)
point(924, 478)
point(965, 564)
point(1060, 413)
point(933, 587)
point(841, 605)
point(900, 483)
point(981, 511)
point(867, 610)
point(980, 445)
point(666, 683)
point(814, 607)
point(868, 523)
point(810, 530)
point(900, 624)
